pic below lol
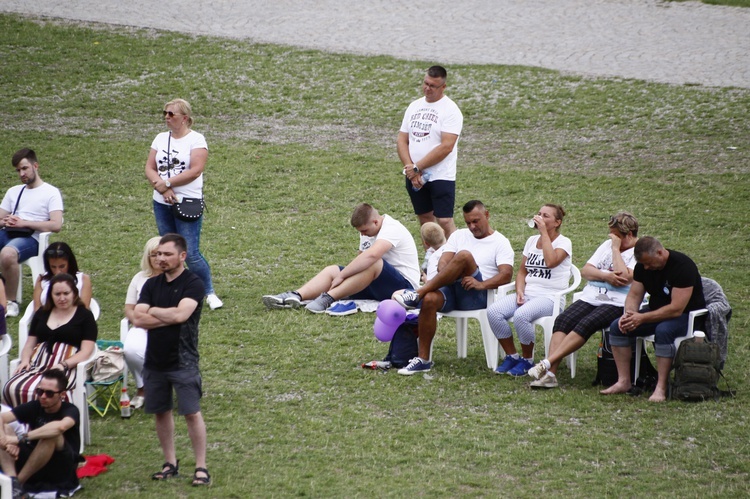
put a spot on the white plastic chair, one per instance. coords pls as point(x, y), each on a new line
point(547, 323)
point(5, 343)
point(6, 487)
point(640, 341)
point(79, 391)
point(462, 323)
point(124, 328)
point(35, 263)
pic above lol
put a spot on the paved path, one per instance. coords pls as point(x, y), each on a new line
point(672, 42)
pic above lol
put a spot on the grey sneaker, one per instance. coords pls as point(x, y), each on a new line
point(409, 299)
point(287, 299)
point(320, 304)
point(549, 380)
point(537, 371)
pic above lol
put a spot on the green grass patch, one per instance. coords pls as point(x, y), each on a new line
point(296, 139)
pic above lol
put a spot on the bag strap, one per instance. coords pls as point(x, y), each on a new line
point(728, 392)
point(18, 200)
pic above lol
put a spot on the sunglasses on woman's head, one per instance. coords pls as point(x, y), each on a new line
point(52, 252)
point(47, 393)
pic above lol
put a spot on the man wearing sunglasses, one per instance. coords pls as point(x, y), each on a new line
point(26, 210)
point(44, 459)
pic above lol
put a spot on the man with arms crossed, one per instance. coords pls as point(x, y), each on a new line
point(46, 458)
point(672, 280)
point(34, 206)
point(169, 308)
point(387, 261)
point(475, 260)
point(428, 143)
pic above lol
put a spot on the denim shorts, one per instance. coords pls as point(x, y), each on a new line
point(26, 247)
point(186, 383)
point(458, 298)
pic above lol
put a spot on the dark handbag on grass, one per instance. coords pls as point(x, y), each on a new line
point(189, 210)
point(18, 231)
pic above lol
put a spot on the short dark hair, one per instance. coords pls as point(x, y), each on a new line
point(437, 72)
point(361, 215)
point(60, 249)
point(474, 203)
point(646, 246)
point(22, 154)
point(71, 281)
point(57, 375)
point(177, 239)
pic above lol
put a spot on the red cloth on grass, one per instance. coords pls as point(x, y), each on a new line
point(94, 465)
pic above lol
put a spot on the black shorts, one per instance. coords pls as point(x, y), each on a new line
point(586, 319)
point(438, 197)
point(58, 474)
point(186, 383)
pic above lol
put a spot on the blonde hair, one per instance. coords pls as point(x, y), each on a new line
point(150, 247)
point(432, 234)
point(184, 107)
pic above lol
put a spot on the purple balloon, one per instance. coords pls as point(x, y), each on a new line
point(383, 331)
point(391, 313)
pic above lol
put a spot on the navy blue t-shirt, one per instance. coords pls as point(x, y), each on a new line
point(679, 272)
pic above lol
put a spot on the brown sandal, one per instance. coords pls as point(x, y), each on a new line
point(201, 480)
point(168, 470)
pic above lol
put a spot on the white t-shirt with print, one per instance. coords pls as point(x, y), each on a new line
point(403, 255)
point(488, 252)
point(173, 158)
point(36, 204)
point(602, 293)
point(541, 280)
point(425, 122)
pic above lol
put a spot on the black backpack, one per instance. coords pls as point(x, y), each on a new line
point(696, 371)
point(404, 346)
point(606, 370)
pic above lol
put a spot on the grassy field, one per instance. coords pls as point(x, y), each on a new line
point(296, 139)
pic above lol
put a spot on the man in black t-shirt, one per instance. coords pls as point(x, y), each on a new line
point(674, 284)
point(45, 458)
point(169, 308)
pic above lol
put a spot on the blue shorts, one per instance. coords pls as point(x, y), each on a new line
point(388, 282)
point(26, 247)
point(438, 197)
point(458, 298)
point(187, 384)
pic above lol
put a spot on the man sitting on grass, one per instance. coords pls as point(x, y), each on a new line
point(474, 260)
point(387, 261)
point(44, 459)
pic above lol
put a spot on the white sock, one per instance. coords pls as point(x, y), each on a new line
point(546, 363)
point(515, 356)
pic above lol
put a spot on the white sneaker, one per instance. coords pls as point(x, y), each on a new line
point(214, 302)
point(537, 371)
point(12, 310)
point(549, 380)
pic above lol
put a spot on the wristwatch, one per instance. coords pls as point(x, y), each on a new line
point(415, 168)
point(168, 184)
point(23, 438)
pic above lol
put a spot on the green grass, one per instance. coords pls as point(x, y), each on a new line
point(296, 139)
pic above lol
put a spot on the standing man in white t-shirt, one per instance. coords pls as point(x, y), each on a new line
point(475, 260)
point(387, 261)
point(34, 206)
point(428, 147)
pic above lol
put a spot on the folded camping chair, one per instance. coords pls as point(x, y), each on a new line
point(105, 395)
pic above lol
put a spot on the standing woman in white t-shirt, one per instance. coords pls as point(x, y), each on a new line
point(174, 169)
point(59, 259)
point(545, 270)
point(135, 342)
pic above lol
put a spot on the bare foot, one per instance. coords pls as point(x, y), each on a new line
point(658, 396)
point(616, 388)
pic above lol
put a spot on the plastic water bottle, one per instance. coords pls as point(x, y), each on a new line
point(423, 180)
point(124, 404)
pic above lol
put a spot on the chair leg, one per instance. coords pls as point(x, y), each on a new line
point(639, 343)
point(461, 334)
point(491, 346)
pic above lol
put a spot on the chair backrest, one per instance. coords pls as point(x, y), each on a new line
point(6, 342)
